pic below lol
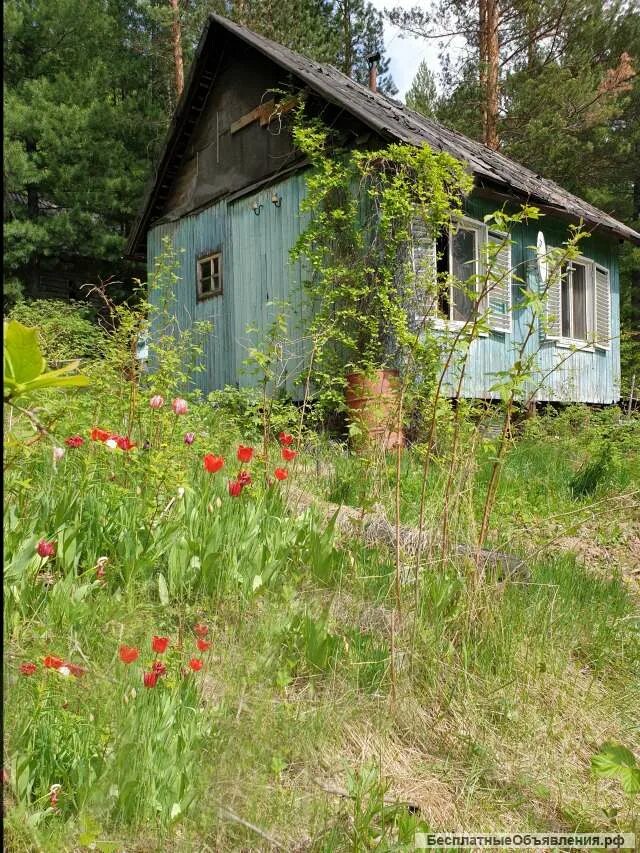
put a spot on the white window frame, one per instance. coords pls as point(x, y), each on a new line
point(479, 229)
point(211, 257)
point(569, 342)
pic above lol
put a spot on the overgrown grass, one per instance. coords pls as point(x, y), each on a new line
point(504, 688)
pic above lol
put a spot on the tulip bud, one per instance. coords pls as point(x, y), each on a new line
point(156, 402)
point(180, 406)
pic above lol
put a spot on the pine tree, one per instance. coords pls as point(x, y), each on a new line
point(423, 95)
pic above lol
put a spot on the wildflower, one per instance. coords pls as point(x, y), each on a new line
point(98, 434)
point(159, 644)
point(195, 664)
point(58, 453)
point(74, 441)
point(156, 402)
point(99, 567)
point(159, 668)
point(111, 443)
point(46, 549)
point(128, 654)
point(200, 629)
point(64, 670)
point(245, 453)
point(203, 645)
point(212, 463)
point(28, 668)
point(180, 406)
point(189, 438)
point(124, 442)
point(235, 488)
point(281, 473)
point(180, 491)
point(244, 477)
point(150, 679)
point(288, 455)
point(53, 796)
point(75, 670)
point(285, 439)
point(52, 663)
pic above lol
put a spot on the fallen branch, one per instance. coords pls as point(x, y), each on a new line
point(229, 815)
point(375, 529)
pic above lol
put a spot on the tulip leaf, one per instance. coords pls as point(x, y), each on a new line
point(163, 591)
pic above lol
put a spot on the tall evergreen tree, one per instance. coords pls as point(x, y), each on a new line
point(422, 96)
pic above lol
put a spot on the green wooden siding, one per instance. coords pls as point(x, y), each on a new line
point(257, 273)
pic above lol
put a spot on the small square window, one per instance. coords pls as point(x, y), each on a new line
point(209, 276)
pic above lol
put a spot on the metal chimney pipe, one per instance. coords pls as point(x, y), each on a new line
point(373, 59)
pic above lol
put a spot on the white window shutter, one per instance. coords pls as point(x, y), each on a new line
point(603, 309)
point(553, 327)
point(425, 270)
point(499, 290)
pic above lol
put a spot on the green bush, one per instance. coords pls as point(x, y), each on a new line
point(67, 330)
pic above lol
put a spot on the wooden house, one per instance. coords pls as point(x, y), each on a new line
point(227, 194)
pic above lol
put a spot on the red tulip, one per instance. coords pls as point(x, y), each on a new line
point(244, 477)
point(99, 434)
point(150, 679)
point(28, 668)
point(52, 663)
point(46, 549)
point(195, 664)
point(74, 441)
point(245, 453)
point(281, 473)
point(212, 463)
point(201, 630)
point(285, 439)
point(235, 488)
point(159, 668)
point(128, 654)
point(203, 645)
point(159, 644)
point(288, 455)
point(124, 442)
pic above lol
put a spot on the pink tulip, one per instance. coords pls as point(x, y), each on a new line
point(180, 406)
point(157, 402)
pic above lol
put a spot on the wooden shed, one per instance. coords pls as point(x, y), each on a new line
point(227, 195)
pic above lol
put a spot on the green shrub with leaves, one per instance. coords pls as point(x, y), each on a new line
point(66, 330)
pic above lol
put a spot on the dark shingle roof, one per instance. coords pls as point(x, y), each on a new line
point(391, 120)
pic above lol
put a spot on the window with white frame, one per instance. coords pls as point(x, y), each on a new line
point(577, 301)
point(209, 276)
point(459, 254)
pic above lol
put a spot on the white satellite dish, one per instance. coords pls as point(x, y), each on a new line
point(541, 254)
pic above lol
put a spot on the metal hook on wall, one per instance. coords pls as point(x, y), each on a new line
point(257, 208)
point(276, 200)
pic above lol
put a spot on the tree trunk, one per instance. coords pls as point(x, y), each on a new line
point(32, 273)
point(492, 72)
point(176, 41)
point(635, 272)
point(489, 55)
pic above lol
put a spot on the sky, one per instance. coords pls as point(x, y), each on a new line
point(406, 53)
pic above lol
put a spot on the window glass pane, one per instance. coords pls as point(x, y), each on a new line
point(463, 257)
point(205, 269)
point(579, 287)
point(205, 285)
point(463, 254)
point(215, 265)
point(565, 292)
